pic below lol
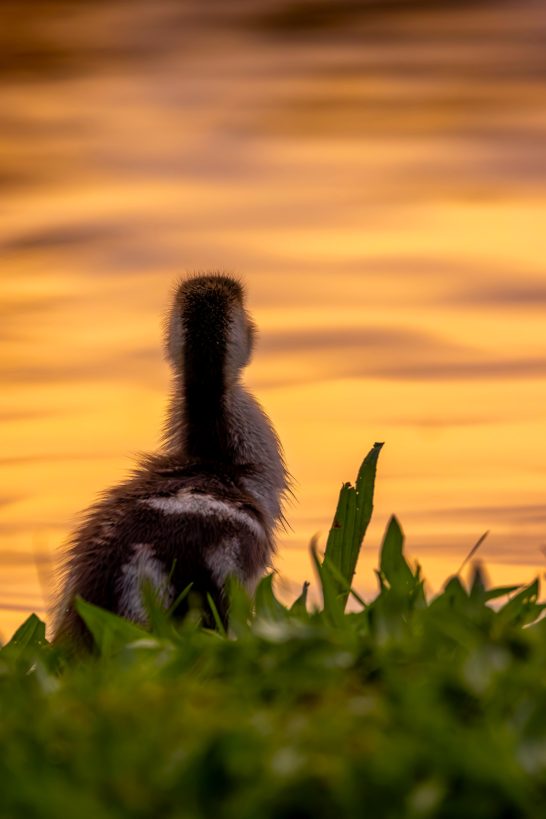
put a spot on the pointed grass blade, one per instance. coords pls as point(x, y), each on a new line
point(393, 564)
point(523, 608)
point(299, 606)
point(110, 632)
point(267, 605)
point(353, 514)
point(473, 551)
point(216, 615)
point(30, 635)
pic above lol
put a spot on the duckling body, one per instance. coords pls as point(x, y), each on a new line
point(206, 507)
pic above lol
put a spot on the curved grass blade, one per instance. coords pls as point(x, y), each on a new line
point(473, 551)
point(332, 600)
point(521, 609)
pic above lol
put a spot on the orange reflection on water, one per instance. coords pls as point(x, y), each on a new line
point(379, 185)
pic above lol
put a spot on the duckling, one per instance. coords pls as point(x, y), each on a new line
point(206, 506)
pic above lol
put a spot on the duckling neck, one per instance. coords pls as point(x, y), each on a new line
point(203, 398)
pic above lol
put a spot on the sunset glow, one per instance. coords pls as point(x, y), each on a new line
point(379, 187)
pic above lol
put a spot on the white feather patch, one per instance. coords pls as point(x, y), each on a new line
point(143, 567)
point(206, 505)
point(224, 561)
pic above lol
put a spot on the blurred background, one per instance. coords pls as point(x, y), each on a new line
point(374, 170)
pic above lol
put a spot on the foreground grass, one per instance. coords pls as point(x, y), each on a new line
point(407, 707)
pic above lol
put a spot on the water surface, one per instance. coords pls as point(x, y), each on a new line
point(375, 175)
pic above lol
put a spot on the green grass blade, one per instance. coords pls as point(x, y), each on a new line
point(343, 584)
point(453, 596)
point(110, 632)
point(299, 606)
point(217, 619)
point(240, 608)
point(473, 551)
point(365, 484)
point(30, 636)
point(31, 632)
point(267, 605)
point(353, 514)
point(350, 542)
point(501, 591)
point(179, 599)
point(522, 609)
point(333, 604)
point(478, 584)
point(334, 545)
point(393, 563)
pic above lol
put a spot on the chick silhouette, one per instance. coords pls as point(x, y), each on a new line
point(206, 506)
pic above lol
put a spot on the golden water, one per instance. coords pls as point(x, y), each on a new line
point(378, 181)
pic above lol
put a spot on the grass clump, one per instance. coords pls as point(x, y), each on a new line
point(404, 707)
